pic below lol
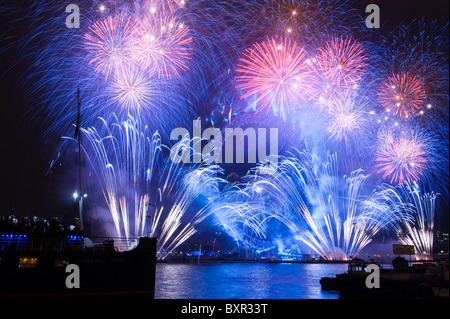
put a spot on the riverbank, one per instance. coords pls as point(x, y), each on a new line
point(215, 260)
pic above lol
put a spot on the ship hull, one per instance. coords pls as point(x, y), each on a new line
point(96, 274)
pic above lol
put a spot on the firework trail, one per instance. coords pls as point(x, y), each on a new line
point(125, 162)
point(348, 118)
point(419, 232)
point(133, 175)
point(328, 214)
point(414, 90)
point(132, 90)
point(245, 212)
point(226, 31)
point(306, 195)
point(342, 61)
point(282, 76)
point(174, 223)
point(419, 54)
point(309, 67)
point(417, 212)
point(108, 46)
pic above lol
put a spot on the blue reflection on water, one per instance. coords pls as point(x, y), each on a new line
point(244, 281)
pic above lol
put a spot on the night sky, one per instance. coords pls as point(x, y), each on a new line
point(26, 189)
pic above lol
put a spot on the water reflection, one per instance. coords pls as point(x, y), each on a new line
point(243, 281)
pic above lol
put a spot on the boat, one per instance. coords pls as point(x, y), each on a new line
point(71, 265)
point(402, 281)
point(68, 267)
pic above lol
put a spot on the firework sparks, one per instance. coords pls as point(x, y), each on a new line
point(404, 159)
point(107, 44)
point(131, 90)
point(346, 117)
point(305, 196)
point(339, 65)
point(330, 222)
point(420, 232)
point(416, 210)
point(343, 123)
point(276, 72)
point(114, 73)
point(128, 167)
point(402, 95)
point(161, 43)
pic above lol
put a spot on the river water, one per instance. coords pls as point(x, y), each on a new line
point(244, 281)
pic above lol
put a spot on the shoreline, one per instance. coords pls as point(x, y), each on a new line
point(225, 261)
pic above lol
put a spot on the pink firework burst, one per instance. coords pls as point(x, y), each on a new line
point(344, 123)
point(108, 44)
point(346, 116)
point(402, 95)
point(276, 72)
point(404, 159)
point(162, 44)
point(131, 90)
point(340, 64)
point(175, 4)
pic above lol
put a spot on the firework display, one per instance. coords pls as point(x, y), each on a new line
point(134, 179)
point(403, 95)
point(418, 232)
point(133, 56)
point(339, 65)
point(276, 71)
point(404, 159)
point(363, 117)
point(331, 213)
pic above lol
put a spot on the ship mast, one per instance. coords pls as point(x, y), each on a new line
point(78, 134)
